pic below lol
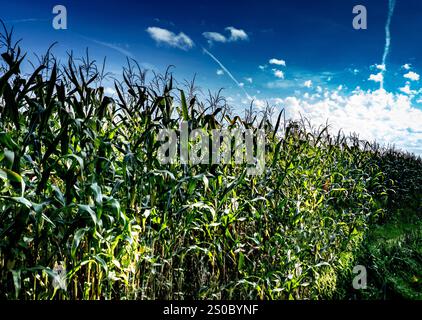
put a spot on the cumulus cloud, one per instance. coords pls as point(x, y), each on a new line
point(110, 91)
point(388, 118)
point(164, 36)
point(278, 62)
point(234, 35)
point(262, 67)
point(308, 83)
point(237, 34)
point(249, 79)
point(406, 66)
point(380, 67)
point(214, 37)
point(406, 89)
point(412, 76)
point(220, 72)
point(376, 77)
point(278, 73)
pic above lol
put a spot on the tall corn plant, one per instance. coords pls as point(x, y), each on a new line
point(82, 188)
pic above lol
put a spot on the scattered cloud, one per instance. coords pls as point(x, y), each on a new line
point(214, 37)
point(262, 67)
point(234, 35)
point(406, 66)
point(237, 34)
point(110, 91)
point(412, 76)
point(406, 89)
point(164, 36)
point(278, 73)
point(278, 62)
point(220, 72)
point(376, 115)
point(380, 67)
point(376, 77)
point(249, 79)
point(308, 83)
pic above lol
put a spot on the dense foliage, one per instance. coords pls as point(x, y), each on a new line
point(81, 186)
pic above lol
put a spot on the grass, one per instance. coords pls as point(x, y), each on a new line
point(393, 254)
point(81, 186)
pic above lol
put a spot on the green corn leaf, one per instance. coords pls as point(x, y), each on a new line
point(185, 112)
point(12, 176)
point(7, 141)
point(87, 209)
point(16, 282)
point(78, 236)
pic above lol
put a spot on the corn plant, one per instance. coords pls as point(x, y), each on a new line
point(82, 187)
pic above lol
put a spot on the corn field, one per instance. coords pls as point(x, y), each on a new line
point(82, 188)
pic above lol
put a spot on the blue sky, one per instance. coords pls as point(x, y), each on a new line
point(302, 55)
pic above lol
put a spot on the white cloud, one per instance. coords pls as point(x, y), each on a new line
point(278, 73)
point(278, 62)
point(308, 83)
point(237, 34)
point(262, 103)
point(214, 37)
point(241, 84)
point(376, 77)
point(377, 115)
point(412, 76)
point(281, 84)
point(160, 35)
point(406, 90)
point(110, 91)
point(406, 66)
point(262, 67)
point(380, 67)
point(259, 103)
point(220, 72)
point(249, 79)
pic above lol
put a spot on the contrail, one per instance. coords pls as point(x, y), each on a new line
point(227, 71)
point(391, 5)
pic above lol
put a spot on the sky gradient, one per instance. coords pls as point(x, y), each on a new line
point(300, 55)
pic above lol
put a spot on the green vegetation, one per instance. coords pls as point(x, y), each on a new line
point(393, 255)
point(81, 185)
